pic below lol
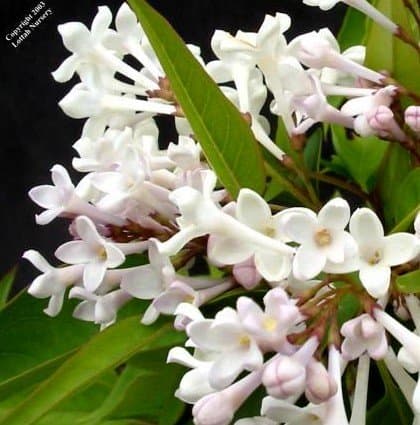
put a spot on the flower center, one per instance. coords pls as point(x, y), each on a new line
point(102, 253)
point(244, 340)
point(269, 324)
point(270, 231)
point(375, 258)
point(322, 237)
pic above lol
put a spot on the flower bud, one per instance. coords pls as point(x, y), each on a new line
point(319, 385)
point(246, 274)
point(412, 118)
point(284, 377)
point(213, 409)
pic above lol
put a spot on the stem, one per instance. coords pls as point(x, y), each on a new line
point(405, 37)
point(402, 90)
point(304, 174)
point(341, 183)
point(290, 187)
point(413, 10)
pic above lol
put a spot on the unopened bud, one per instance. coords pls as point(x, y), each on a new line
point(319, 385)
point(412, 118)
point(246, 274)
point(284, 377)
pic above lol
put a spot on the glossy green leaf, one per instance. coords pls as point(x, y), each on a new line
point(6, 284)
point(408, 195)
point(31, 343)
point(386, 52)
point(145, 389)
point(396, 165)
point(361, 156)
point(103, 352)
point(409, 283)
point(224, 136)
point(313, 150)
point(352, 31)
point(392, 409)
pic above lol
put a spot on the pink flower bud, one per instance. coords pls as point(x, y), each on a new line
point(246, 274)
point(284, 377)
point(412, 118)
point(319, 384)
point(213, 409)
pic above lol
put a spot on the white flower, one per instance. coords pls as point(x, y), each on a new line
point(226, 335)
point(53, 281)
point(318, 50)
point(363, 334)
point(62, 200)
point(92, 250)
point(321, 237)
point(236, 241)
point(362, 5)
point(376, 253)
point(253, 212)
point(271, 326)
point(99, 309)
point(195, 383)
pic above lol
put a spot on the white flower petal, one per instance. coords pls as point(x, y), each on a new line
point(85, 311)
point(93, 275)
point(252, 210)
point(37, 260)
point(114, 256)
point(66, 70)
point(126, 23)
point(76, 37)
point(399, 248)
point(55, 304)
point(375, 279)
point(366, 227)
point(46, 196)
point(75, 252)
point(193, 386)
point(308, 262)
point(225, 370)
point(335, 214)
point(299, 227)
point(101, 22)
point(143, 283)
point(272, 267)
point(229, 250)
point(87, 232)
point(48, 216)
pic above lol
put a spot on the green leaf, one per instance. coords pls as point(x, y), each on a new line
point(392, 409)
point(361, 156)
point(103, 352)
point(408, 195)
point(6, 284)
point(33, 344)
point(144, 389)
point(223, 134)
point(396, 165)
point(313, 150)
point(386, 52)
point(351, 33)
point(409, 283)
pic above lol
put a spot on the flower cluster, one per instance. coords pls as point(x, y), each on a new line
point(137, 198)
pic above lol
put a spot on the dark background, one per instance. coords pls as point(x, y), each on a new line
point(35, 133)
